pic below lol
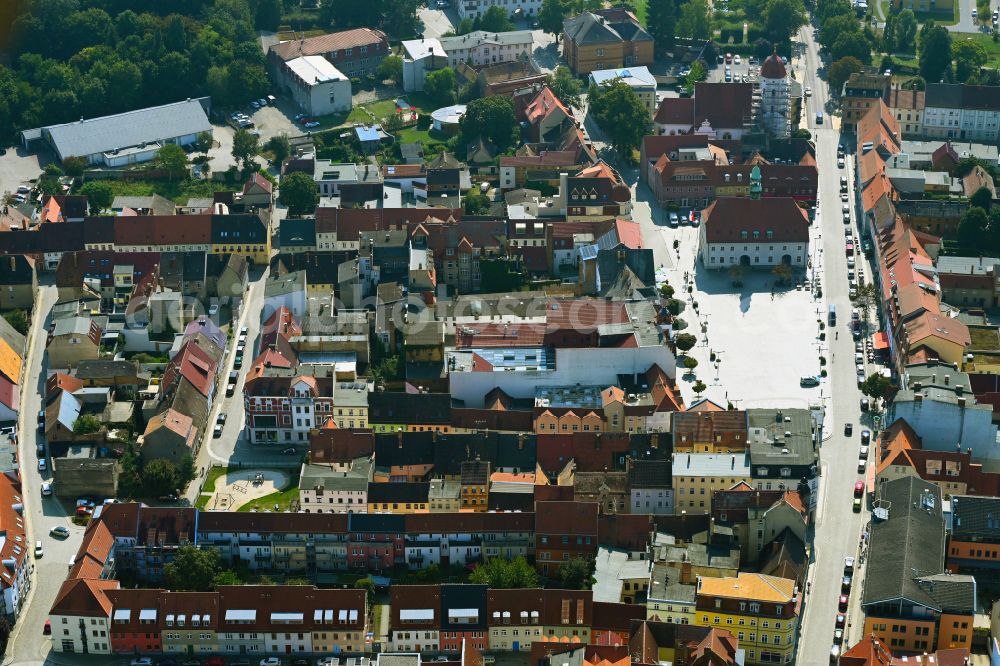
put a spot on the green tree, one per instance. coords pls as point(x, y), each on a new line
point(621, 114)
point(268, 14)
point(495, 19)
point(100, 195)
point(280, 147)
point(48, 183)
point(565, 86)
point(226, 577)
point(972, 229)
point(505, 574)
point(905, 31)
point(841, 70)
point(697, 74)
point(889, 34)
point(851, 45)
point(695, 20)
point(876, 385)
point(86, 424)
point(245, 148)
point(782, 18)
point(18, 319)
point(762, 48)
point(299, 193)
point(159, 477)
point(690, 363)
point(837, 26)
point(685, 341)
point(390, 69)
point(699, 387)
point(475, 202)
point(661, 22)
point(368, 585)
point(491, 118)
point(74, 166)
point(172, 159)
point(666, 291)
point(204, 142)
point(576, 573)
point(175, 38)
point(982, 198)
point(969, 58)
point(186, 472)
point(441, 86)
point(193, 569)
point(935, 52)
point(552, 14)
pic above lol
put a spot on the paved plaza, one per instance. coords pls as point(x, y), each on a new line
point(780, 329)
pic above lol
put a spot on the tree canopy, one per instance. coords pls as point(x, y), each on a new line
point(298, 191)
point(501, 573)
point(576, 574)
point(491, 118)
point(935, 52)
point(495, 19)
point(565, 86)
point(841, 70)
point(782, 18)
point(695, 20)
point(441, 86)
point(622, 115)
point(661, 22)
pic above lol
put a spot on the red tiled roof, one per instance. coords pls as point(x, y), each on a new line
point(258, 180)
point(544, 104)
point(566, 518)
point(83, 597)
point(727, 217)
point(10, 394)
point(675, 111)
point(724, 105)
point(323, 44)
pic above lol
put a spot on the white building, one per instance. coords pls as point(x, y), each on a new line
point(470, 9)
point(482, 48)
point(640, 79)
point(81, 616)
point(317, 87)
point(960, 111)
point(754, 233)
point(126, 138)
point(420, 57)
point(335, 488)
point(775, 102)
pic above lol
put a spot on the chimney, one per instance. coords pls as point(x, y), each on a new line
point(399, 438)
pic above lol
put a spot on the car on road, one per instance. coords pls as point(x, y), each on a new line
point(39, 551)
point(221, 418)
point(270, 661)
point(839, 622)
point(863, 453)
point(865, 404)
point(819, 117)
point(848, 429)
point(230, 389)
point(859, 488)
point(47, 627)
point(674, 221)
point(838, 637)
point(840, 162)
point(217, 431)
point(975, 13)
point(842, 603)
point(141, 661)
point(60, 531)
point(809, 91)
point(808, 382)
point(290, 451)
point(848, 564)
point(46, 489)
point(41, 465)
point(866, 436)
point(845, 584)
point(441, 4)
point(736, 59)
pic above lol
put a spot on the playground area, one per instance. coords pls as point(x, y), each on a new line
point(237, 488)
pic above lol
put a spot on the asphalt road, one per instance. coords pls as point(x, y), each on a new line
point(27, 644)
point(837, 527)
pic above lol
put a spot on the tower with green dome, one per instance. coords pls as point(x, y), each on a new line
point(755, 187)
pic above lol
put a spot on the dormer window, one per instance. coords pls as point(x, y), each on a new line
point(770, 234)
point(743, 235)
point(756, 235)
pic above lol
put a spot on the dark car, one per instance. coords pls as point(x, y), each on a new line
point(842, 603)
point(845, 584)
point(865, 404)
point(848, 429)
point(866, 437)
point(839, 623)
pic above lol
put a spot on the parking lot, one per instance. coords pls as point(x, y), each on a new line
point(18, 167)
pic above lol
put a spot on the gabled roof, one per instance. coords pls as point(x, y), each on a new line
point(10, 362)
point(84, 597)
point(727, 218)
point(329, 43)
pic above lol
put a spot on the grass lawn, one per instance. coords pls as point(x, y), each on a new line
point(213, 475)
point(984, 339)
point(177, 190)
point(380, 110)
point(986, 41)
point(905, 61)
point(283, 499)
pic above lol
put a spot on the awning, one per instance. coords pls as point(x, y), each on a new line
point(286, 618)
point(416, 614)
point(123, 614)
point(880, 340)
point(241, 615)
point(147, 614)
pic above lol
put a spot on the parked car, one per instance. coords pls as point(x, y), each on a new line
point(840, 162)
point(835, 651)
point(41, 465)
point(60, 531)
point(217, 431)
point(840, 621)
point(221, 418)
point(311, 124)
point(862, 466)
point(46, 489)
point(191, 662)
point(674, 220)
point(39, 551)
point(842, 603)
point(845, 584)
point(736, 59)
point(47, 627)
point(866, 436)
point(270, 661)
point(230, 389)
point(290, 451)
point(809, 91)
point(848, 429)
point(848, 564)
point(808, 382)
point(141, 661)
point(865, 404)
point(859, 488)
point(863, 453)
point(215, 661)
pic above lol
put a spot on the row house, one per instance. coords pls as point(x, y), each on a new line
point(974, 541)
point(15, 580)
point(564, 530)
point(458, 539)
point(284, 402)
point(245, 619)
point(239, 233)
point(696, 184)
point(356, 53)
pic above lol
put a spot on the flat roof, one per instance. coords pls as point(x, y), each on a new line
point(315, 69)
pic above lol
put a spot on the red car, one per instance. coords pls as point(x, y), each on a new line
point(859, 488)
point(842, 605)
point(47, 629)
point(215, 661)
point(840, 621)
